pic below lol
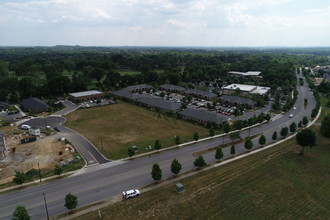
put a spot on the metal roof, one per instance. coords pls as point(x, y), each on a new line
point(172, 87)
point(85, 93)
point(201, 93)
point(160, 103)
point(203, 115)
point(237, 99)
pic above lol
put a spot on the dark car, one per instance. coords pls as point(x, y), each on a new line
point(57, 129)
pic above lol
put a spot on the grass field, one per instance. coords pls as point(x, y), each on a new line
point(273, 184)
point(114, 128)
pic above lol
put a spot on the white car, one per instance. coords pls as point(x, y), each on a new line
point(131, 193)
point(294, 108)
point(291, 115)
point(25, 127)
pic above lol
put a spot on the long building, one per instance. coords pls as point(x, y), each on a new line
point(245, 89)
point(202, 116)
point(86, 95)
point(245, 74)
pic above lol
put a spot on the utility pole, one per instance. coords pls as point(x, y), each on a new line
point(39, 173)
point(46, 205)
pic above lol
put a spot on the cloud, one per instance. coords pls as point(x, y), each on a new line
point(164, 22)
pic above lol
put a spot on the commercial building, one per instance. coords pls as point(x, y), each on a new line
point(245, 89)
point(245, 74)
point(86, 95)
point(200, 94)
point(172, 88)
point(237, 101)
point(158, 104)
point(202, 117)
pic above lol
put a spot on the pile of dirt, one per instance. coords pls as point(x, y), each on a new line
point(47, 151)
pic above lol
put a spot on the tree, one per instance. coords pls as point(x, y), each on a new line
point(284, 132)
point(232, 150)
point(130, 152)
point(157, 145)
point(175, 167)
point(156, 172)
point(21, 213)
point(262, 140)
point(304, 138)
point(300, 124)
point(235, 136)
point(199, 162)
point(71, 201)
point(325, 126)
point(274, 137)
point(211, 131)
point(195, 136)
point(218, 153)
point(19, 178)
point(177, 140)
point(267, 117)
point(293, 127)
point(226, 129)
point(248, 144)
point(58, 170)
point(305, 121)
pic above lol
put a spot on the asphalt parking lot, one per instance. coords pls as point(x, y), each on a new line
point(43, 122)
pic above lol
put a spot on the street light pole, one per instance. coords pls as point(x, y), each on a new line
point(39, 173)
point(46, 205)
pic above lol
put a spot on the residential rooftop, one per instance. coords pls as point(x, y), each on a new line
point(160, 103)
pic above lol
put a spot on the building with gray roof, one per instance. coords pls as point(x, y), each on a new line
point(158, 104)
point(202, 116)
point(34, 105)
point(3, 105)
point(200, 93)
point(86, 95)
point(126, 95)
point(237, 101)
point(137, 88)
point(172, 88)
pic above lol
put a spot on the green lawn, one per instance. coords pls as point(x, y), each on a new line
point(114, 128)
point(128, 72)
point(274, 184)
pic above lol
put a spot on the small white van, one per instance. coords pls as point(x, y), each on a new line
point(131, 193)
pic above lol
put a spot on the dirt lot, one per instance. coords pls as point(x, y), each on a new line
point(47, 151)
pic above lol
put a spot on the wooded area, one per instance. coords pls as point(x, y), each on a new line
point(48, 72)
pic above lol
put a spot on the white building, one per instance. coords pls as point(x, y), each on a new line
point(34, 131)
point(245, 89)
point(249, 73)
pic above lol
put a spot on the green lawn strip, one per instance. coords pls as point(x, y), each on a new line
point(276, 183)
point(115, 128)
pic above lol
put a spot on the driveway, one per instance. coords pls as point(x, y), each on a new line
point(69, 107)
point(84, 147)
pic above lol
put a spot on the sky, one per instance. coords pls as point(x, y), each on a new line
point(210, 23)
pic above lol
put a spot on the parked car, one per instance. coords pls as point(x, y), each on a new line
point(291, 115)
point(57, 129)
point(131, 193)
point(25, 127)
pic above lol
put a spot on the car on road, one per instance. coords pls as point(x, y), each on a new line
point(291, 115)
point(25, 127)
point(131, 193)
point(57, 129)
point(294, 108)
